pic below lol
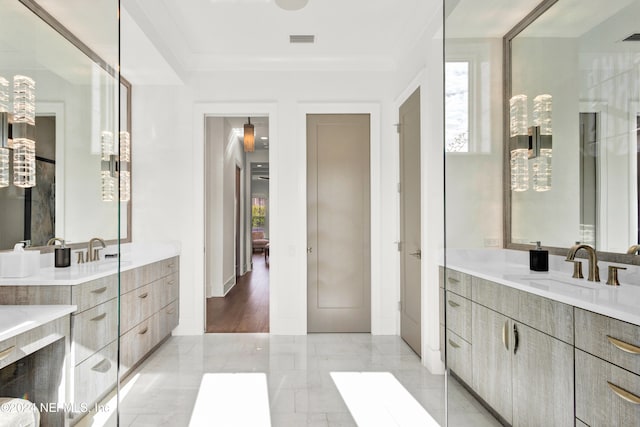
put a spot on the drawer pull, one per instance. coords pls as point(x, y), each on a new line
point(171, 265)
point(171, 310)
point(624, 394)
point(172, 282)
point(452, 280)
point(144, 331)
point(624, 346)
point(99, 290)
point(146, 294)
point(453, 304)
point(103, 366)
point(5, 353)
point(453, 344)
point(505, 335)
point(100, 317)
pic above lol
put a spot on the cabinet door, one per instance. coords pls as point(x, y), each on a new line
point(542, 379)
point(492, 359)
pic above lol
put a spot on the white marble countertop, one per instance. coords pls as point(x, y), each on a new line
point(132, 256)
point(510, 268)
point(17, 319)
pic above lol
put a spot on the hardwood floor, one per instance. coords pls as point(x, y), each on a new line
point(246, 307)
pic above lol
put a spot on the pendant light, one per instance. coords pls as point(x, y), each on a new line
point(249, 136)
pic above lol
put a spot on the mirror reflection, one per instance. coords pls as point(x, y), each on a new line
point(76, 102)
point(586, 57)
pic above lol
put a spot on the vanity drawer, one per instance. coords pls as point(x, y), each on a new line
point(457, 282)
point(170, 266)
point(138, 305)
point(459, 357)
point(613, 340)
point(170, 289)
point(90, 294)
point(9, 352)
point(93, 329)
point(95, 376)
point(136, 343)
point(168, 319)
point(458, 315)
point(551, 317)
point(597, 404)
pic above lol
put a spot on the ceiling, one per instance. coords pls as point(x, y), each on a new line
point(239, 34)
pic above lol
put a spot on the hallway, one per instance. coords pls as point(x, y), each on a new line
point(246, 307)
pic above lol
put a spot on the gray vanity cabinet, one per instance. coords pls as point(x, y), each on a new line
point(514, 349)
point(492, 360)
point(607, 371)
point(542, 379)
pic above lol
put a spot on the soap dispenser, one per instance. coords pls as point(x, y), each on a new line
point(62, 254)
point(538, 258)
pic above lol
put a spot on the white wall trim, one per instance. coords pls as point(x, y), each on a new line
point(220, 109)
point(373, 109)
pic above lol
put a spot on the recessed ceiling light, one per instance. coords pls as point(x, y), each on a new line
point(291, 4)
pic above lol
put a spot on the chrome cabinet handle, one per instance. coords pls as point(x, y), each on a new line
point(143, 296)
point(100, 317)
point(505, 335)
point(624, 394)
point(453, 280)
point(102, 366)
point(171, 282)
point(453, 304)
point(144, 331)
point(5, 353)
point(453, 344)
point(516, 339)
point(171, 311)
point(99, 290)
point(417, 254)
point(624, 346)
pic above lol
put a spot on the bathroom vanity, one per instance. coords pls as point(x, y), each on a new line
point(149, 304)
point(534, 346)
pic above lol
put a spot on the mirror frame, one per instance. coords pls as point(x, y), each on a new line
point(48, 19)
point(506, 200)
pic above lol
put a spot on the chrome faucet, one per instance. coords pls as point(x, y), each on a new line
point(594, 271)
point(633, 249)
point(93, 254)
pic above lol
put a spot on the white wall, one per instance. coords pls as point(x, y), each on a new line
point(167, 126)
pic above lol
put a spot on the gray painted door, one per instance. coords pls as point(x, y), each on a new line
point(338, 223)
point(410, 252)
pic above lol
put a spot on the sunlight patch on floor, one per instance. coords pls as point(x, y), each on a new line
point(232, 400)
point(378, 399)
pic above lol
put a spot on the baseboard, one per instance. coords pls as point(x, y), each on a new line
point(230, 283)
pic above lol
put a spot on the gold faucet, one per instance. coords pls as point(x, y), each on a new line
point(93, 254)
point(633, 249)
point(594, 272)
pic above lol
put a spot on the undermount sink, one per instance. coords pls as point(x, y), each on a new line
point(547, 282)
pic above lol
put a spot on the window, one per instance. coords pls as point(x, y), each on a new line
point(258, 213)
point(456, 107)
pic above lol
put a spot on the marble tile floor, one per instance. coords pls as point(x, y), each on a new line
point(163, 390)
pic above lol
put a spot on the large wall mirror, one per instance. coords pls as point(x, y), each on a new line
point(586, 55)
point(80, 102)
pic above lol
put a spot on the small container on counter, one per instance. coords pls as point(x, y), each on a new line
point(538, 258)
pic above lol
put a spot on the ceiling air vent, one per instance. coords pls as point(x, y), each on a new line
point(633, 38)
point(302, 38)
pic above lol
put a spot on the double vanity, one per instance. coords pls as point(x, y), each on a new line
point(542, 348)
point(87, 294)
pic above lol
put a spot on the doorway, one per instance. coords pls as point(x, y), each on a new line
point(410, 245)
point(236, 268)
point(338, 223)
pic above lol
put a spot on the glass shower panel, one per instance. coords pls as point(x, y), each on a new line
point(59, 65)
point(473, 204)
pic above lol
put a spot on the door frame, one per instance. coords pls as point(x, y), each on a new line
point(373, 109)
point(218, 109)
